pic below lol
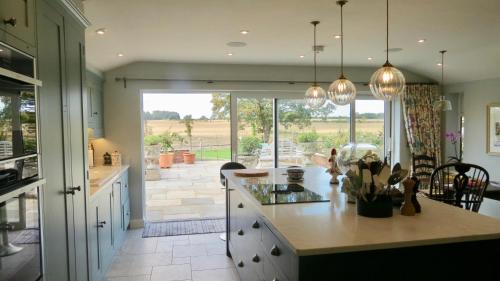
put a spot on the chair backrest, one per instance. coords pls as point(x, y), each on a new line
point(423, 166)
point(459, 184)
point(229, 166)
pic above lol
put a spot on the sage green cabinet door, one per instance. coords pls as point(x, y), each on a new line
point(94, 104)
point(95, 260)
point(51, 70)
point(17, 17)
point(117, 215)
point(75, 77)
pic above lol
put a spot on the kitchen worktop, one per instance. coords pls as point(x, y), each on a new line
point(100, 176)
point(334, 227)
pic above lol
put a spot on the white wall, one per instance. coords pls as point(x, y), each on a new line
point(122, 106)
point(476, 96)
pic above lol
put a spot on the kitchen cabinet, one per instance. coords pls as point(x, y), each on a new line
point(61, 67)
point(108, 212)
point(94, 104)
point(17, 18)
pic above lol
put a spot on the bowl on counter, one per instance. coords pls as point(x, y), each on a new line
point(295, 174)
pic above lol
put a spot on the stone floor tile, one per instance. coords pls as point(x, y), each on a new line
point(175, 272)
point(226, 274)
point(131, 278)
point(189, 251)
point(211, 262)
point(144, 260)
point(182, 260)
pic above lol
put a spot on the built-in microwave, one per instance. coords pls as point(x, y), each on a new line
point(18, 119)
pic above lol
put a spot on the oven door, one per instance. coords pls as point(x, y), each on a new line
point(20, 250)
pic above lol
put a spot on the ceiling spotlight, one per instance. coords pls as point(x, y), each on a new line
point(370, 58)
point(1, 50)
point(120, 54)
point(337, 36)
point(244, 32)
point(301, 56)
point(439, 64)
point(101, 31)
point(229, 54)
point(421, 40)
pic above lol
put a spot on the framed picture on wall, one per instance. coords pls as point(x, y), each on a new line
point(493, 129)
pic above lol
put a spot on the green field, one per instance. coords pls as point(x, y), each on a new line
point(214, 154)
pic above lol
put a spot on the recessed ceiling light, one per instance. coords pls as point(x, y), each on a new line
point(244, 32)
point(370, 58)
point(421, 40)
point(337, 36)
point(1, 50)
point(439, 64)
point(101, 31)
point(236, 44)
point(302, 56)
point(120, 54)
point(229, 54)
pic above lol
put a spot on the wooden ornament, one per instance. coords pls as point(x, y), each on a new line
point(251, 173)
point(407, 208)
point(414, 200)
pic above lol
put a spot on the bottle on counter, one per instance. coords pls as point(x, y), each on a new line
point(116, 158)
point(107, 159)
point(90, 155)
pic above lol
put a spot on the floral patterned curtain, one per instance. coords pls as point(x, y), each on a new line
point(423, 123)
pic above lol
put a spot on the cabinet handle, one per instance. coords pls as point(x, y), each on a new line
point(256, 225)
point(12, 21)
point(240, 232)
point(275, 251)
point(6, 227)
point(275, 279)
point(241, 264)
point(101, 224)
point(240, 205)
point(96, 113)
point(256, 258)
point(71, 190)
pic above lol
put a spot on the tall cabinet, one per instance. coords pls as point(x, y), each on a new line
point(61, 67)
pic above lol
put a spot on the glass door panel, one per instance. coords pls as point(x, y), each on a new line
point(369, 123)
point(306, 136)
point(255, 139)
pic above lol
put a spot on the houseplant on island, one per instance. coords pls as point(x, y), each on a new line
point(308, 142)
point(249, 147)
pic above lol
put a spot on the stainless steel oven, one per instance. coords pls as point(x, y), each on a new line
point(18, 119)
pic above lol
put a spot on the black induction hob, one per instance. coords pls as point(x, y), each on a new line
point(271, 194)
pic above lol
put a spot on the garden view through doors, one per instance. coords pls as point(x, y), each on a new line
point(187, 137)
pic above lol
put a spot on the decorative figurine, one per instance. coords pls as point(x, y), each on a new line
point(334, 168)
point(348, 188)
point(107, 159)
point(116, 158)
point(418, 208)
point(407, 209)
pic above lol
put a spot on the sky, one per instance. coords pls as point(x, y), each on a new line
point(199, 104)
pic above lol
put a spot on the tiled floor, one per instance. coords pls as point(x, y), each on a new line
point(186, 192)
point(191, 257)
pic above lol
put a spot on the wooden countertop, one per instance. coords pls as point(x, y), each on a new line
point(100, 176)
point(335, 227)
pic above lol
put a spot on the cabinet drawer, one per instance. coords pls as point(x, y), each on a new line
point(271, 273)
point(246, 267)
point(277, 252)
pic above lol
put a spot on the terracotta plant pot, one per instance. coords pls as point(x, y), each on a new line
point(179, 155)
point(189, 158)
point(166, 160)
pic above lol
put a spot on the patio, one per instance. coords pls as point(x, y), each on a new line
point(186, 192)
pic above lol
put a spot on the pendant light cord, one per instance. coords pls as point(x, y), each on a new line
point(387, 33)
point(314, 50)
point(442, 71)
point(342, 40)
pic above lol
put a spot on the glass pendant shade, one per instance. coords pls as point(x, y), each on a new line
point(315, 96)
point(442, 104)
point(387, 82)
point(342, 91)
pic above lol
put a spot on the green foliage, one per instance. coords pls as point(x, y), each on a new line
point(165, 140)
point(376, 139)
point(249, 145)
point(324, 112)
point(258, 113)
point(152, 140)
point(369, 115)
point(214, 154)
point(220, 106)
point(188, 122)
point(292, 113)
point(203, 118)
point(161, 115)
point(308, 137)
point(337, 140)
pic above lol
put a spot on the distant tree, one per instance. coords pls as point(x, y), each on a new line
point(203, 118)
point(294, 114)
point(161, 115)
point(188, 122)
point(258, 113)
point(369, 115)
point(220, 106)
point(324, 111)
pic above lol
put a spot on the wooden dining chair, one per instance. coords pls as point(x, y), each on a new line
point(459, 184)
point(423, 166)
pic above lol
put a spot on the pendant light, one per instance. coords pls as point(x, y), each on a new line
point(387, 82)
point(315, 95)
point(342, 91)
point(442, 104)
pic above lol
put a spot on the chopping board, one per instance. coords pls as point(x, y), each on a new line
point(251, 173)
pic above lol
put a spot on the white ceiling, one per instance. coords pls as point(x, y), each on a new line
point(198, 30)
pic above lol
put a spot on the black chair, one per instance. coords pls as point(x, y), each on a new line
point(423, 166)
point(229, 166)
point(459, 184)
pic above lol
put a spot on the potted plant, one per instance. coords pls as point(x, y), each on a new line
point(308, 142)
point(189, 156)
point(249, 147)
point(167, 140)
point(151, 157)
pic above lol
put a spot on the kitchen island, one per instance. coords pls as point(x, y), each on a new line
point(329, 241)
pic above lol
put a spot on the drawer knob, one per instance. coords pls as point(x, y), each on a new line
point(275, 279)
point(241, 264)
point(12, 21)
point(240, 205)
point(256, 225)
point(256, 258)
point(240, 232)
point(101, 224)
point(275, 251)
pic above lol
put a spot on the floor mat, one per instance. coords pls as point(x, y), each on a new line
point(184, 227)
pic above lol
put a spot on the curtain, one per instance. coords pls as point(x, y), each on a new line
point(422, 122)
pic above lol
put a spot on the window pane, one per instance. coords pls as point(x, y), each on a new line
point(306, 136)
point(370, 123)
point(255, 132)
